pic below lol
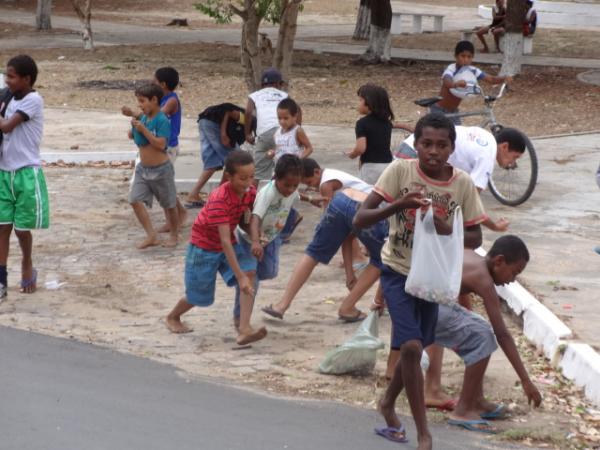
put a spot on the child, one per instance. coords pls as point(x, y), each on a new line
point(343, 193)
point(406, 186)
point(221, 130)
point(373, 132)
point(154, 175)
point(273, 204)
point(168, 80)
point(530, 24)
point(290, 137)
point(23, 194)
point(496, 27)
point(474, 340)
point(451, 79)
point(213, 249)
point(263, 103)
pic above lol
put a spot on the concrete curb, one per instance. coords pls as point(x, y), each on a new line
point(579, 362)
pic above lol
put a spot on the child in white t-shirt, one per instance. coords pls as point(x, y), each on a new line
point(290, 137)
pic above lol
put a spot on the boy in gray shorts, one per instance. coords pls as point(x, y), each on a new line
point(154, 175)
point(474, 339)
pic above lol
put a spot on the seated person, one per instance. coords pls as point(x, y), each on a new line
point(474, 340)
point(475, 152)
point(496, 27)
point(530, 24)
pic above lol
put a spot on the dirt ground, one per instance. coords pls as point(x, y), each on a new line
point(117, 296)
point(324, 85)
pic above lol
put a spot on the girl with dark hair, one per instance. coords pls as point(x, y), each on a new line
point(373, 132)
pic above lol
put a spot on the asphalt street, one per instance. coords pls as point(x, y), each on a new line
point(63, 395)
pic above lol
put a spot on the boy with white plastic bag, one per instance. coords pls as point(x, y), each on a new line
point(407, 185)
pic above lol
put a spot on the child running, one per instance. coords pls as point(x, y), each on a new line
point(213, 248)
point(373, 132)
point(272, 206)
point(168, 80)
point(406, 186)
point(154, 175)
point(23, 194)
point(452, 78)
point(290, 137)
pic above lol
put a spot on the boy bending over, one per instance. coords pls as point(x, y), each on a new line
point(408, 185)
point(213, 248)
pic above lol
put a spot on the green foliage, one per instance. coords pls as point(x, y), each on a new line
point(220, 10)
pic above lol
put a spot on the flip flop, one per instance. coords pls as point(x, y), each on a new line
point(357, 267)
point(33, 280)
point(389, 433)
point(447, 406)
point(499, 413)
point(472, 425)
point(270, 311)
point(195, 204)
point(359, 317)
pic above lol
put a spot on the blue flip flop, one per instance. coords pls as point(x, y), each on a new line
point(26, 283)
point(499, 413)
point(389, 433)
point(472, 425)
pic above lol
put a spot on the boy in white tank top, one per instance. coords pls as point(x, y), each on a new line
point(290, 137)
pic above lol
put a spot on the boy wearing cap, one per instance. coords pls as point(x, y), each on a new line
point(263, 104)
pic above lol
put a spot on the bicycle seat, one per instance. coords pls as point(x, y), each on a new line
point(490, 98)
point(427, 102)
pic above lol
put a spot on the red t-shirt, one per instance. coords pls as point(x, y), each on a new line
point(223, 206)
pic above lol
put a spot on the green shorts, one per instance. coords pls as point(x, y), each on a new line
point(24, 199)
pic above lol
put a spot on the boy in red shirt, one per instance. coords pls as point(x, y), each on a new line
point(213, 248)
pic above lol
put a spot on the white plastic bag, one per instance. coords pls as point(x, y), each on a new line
point(359, 353)
point(437, 260)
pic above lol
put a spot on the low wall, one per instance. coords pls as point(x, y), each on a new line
point(558, 13)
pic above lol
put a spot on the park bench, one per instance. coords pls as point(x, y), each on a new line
point(467, 35)
point(417, 25)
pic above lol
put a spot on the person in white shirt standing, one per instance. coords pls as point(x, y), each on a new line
point(23, 193)
point(263, 104)
point(476, 151)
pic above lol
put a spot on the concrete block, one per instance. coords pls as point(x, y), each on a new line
point(544, 329)
point(581, 363)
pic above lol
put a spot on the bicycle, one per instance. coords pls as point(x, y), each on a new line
point(511, 185)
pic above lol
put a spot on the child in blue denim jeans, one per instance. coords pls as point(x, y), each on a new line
point(272, 207)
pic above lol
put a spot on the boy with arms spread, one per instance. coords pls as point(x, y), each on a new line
point(23, 193)
point(213, 248)
point(154, 174)
point(474, 340)
point(408, 185)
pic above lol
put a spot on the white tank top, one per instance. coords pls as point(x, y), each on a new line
point(347, 180)
point(286, 142)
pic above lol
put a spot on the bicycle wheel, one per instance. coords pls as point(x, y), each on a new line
point(512, 186)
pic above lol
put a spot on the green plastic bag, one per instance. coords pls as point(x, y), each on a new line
point(359, 353)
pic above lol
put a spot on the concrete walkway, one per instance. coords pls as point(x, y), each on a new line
point(108, 33)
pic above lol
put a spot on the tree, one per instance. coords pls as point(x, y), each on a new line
point(363, 21)
point(252, 13)
point(513, 38)
point(83, 9)
point(380, 38)
point(42, 15)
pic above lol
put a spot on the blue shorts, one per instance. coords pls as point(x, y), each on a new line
point(266, 269)
point(336, 225)
point(201, 267)
point(412, 317)
point(212, 151)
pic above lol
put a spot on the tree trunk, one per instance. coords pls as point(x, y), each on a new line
point(83, 8)
point(380, 38)
point(287, 33)
point(363, 21)
point(513, 38)
point(42, 15)
point(251, 60)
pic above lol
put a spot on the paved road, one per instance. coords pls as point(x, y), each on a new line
point(61, 395)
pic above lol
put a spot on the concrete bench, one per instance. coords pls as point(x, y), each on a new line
point(467, 35)
point(417, 25)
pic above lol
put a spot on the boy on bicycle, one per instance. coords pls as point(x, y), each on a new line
point(456, 77)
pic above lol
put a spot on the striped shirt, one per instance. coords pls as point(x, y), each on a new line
point(223, 206)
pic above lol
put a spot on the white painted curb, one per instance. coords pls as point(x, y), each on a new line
point(579, 362)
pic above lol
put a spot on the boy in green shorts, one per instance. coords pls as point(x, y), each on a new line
point(23, 195)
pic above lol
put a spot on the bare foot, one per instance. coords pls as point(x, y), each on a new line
point(425, 443)
point(164, 229)
point(150, 241)
point(249, 336)
point(440, 400)
point(170, 243)
point(177, 326)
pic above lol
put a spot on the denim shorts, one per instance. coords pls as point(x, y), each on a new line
point(412, 317)
point(212, 151)
point(336, 225)
point(465, 332)
point(201, 267)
